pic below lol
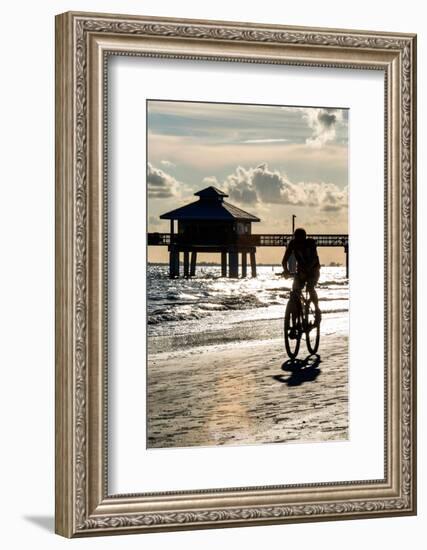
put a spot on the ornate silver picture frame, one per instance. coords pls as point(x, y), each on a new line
point(84, 42)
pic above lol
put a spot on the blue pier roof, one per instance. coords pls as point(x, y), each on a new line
point(210, 206)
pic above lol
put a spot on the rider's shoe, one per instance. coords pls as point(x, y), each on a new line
point(292, 334)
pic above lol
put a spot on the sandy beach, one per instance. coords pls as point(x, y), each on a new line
point(246, 391)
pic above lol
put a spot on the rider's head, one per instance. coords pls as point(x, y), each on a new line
point(300, 235)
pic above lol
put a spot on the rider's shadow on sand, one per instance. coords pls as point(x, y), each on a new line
point(301, 370)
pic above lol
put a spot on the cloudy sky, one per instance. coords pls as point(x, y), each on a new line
point(273, 161)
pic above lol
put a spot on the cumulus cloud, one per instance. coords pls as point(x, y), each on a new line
point(160, 184)
point(167, 163)
point(240, 186)
point(323, 124)
point(333, 198)
point(262, 185)
point(210, 180)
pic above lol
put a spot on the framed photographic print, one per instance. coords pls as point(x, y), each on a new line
point(235, 274)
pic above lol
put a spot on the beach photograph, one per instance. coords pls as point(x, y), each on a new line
point(247, 274)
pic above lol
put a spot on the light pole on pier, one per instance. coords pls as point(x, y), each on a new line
point(293, 223)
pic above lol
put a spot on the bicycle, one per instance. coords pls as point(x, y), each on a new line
point(301, 317)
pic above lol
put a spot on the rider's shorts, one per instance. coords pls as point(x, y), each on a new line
point(310, 279)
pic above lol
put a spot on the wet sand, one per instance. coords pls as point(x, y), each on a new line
point(248, 392)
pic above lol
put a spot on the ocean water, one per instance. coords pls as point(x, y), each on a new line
point(208, 309)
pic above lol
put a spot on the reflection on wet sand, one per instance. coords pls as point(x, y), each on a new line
point(247, 393)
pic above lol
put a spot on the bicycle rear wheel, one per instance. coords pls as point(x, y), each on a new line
point(292, 328)
point(312, 329)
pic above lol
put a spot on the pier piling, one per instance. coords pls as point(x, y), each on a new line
point(244, 264)
point(186, 263)
point(223, 263)
point(234, 264)
point(253, 263)
point(193, 263)
point(173, 263)
point(346, 260)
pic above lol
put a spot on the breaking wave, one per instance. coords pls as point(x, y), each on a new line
point(209, 300)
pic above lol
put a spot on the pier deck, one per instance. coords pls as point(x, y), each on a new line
point(243, 244)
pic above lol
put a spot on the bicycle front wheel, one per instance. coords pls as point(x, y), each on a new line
point(292, 328)
point(312, 329)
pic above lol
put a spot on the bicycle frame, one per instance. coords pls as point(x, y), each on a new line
point(297, 322)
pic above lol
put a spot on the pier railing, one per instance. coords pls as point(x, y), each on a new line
point(265, 239)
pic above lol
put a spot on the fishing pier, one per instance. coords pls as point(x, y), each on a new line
point(213, 225)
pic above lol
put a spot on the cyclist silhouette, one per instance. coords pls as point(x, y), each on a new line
point(308, 265)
